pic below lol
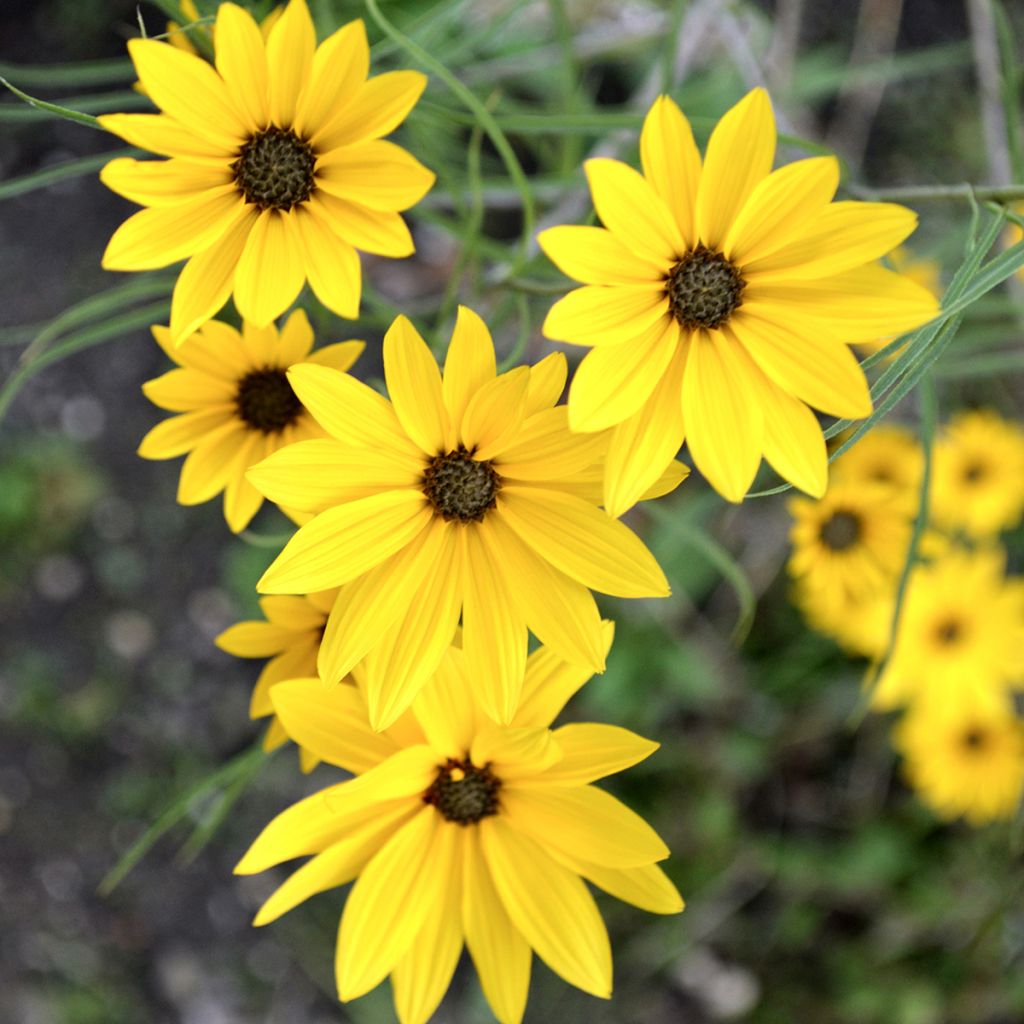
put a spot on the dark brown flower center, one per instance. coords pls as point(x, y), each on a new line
point(949, 632)
point(464, 793)
point(265, 401)
point(274, 169)
point(460, 487)
point(704, 289)
point(975, 472)
point(840, 531)
point(974, 740)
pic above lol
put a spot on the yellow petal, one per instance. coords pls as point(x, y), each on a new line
point(819, 371)
point(205, 282)
point(740, 153)
point(331, 722)
point(500, 954)
point(330, 263)
point(290, 48)
point(515, 753)
point(547, 382)
point(376, 174)
point(390, 902)
point(493, 631)
point(612, 383)
point(549, 906)
point(296, 340)
point(241, 500)
point(585, 821)
point(338, 864)
point(793, 441)
point(342, 543)
point(671, 163)
point(560, 612)
point(339, 356)
point(161, 182)
point(183, 390)
point(545, 449)
point(468, 365)
point(241, 59)
point(842, 236)
point(186, 87)
point(350, 410)
point(495, 413)
point(646, 887)
point(339, 68)
point(179, 434)
point(414, 383)
point(161, 134)
point(583, 542)
point(780, 207)
point(724, 423)
point(377, 109)
point(270, 270)
point(165, 234)
point(606, 315)
point(551, 681)
point(209, 465)
point(645, 444)
point(596, 256)
point(254, 639)
point(631, 209)
point(448, 719)
point(379, 232)
point(591, 751)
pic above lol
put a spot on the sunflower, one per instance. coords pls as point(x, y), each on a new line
point(850, 545)
point(236, 406)
point(289, 636)
point(888, 456)
point(466, 495)
point(966, 763)
point(960, 639)
point(457, 830)
point(978, 482)
point(277, 171)
point(860, 626)
point(724, 296)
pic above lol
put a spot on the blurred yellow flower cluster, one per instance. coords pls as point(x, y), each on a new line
point(956, 656)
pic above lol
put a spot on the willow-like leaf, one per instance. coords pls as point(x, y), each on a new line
point(60, 172)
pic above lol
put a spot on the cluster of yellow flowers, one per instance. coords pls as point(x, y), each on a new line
point(441, 526)
point(957, 655)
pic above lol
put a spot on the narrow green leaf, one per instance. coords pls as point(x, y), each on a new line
point(81, 110)
point(51, 76)
point(276, 541)
point(60, 172)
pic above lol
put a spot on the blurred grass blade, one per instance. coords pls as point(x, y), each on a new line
point(992, 364)
point(265, 540)
point(72, 75)
point(60, 172)
point(240, 766)
point(9, 112)
point(80, 111)
point(1010, 80)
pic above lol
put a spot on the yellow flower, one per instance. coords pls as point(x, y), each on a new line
point(457, 830)
point(860, 626)
point(465, 495)
point(851, 545)
point(236, 406)
point(290, 637)
point(725, 296)
point(277, 171)
point(968, 761)
point(961, 634)
point(889, 456)
point(978, 477)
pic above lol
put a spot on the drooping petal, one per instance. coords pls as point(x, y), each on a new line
point(583, 542)
point(377, 109)
point(468, 365)
point(671, 163)
point(376, 174)
point(270, 270)
point(724, 423)
point(330, 263)
point(161, 182)
point(595, 256)
point(241, 59)
point(549, 906)
point(602, 315)
point(339, 356)
point(290, 48)
point(631, 209)
point(739, 154)
point(241, 500)
point(591, 751)
point(342, 543)
point(646, 886)
point(414, 383)
point(338, 71)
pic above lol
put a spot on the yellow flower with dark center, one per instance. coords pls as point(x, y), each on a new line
point(888, 456)
point(861, 626)
point(290, 637)
point(278, 171)
point(724, 296)
point(967, 762)
point(961, 634)
point(978, 475)
point(236, 406)
point(458, 831)
point(468, 495)
point(851, 545)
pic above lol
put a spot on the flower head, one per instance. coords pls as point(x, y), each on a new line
point(967, 762)
point(459, 831)
point(277, 173)
point(724, 294)
point(289, 637)
point(978, 484)
point(466, 495)
point(235, 406)
point(886, 456)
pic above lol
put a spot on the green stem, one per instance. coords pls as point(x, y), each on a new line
point(929, 193)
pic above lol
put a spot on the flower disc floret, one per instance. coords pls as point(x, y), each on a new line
point(266, 402)
point(704, 289)
point(464, 793)
point(274, 169)
point(460, 487)
point(841, 530)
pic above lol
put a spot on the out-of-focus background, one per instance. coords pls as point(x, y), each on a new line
point(819, 889)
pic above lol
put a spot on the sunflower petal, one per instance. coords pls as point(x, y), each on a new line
point(646, 886)
point(377, 109)
point(468, 365)
point(671, 163)
point(605, 315)
point(494, 415)
point(241, 59)
point(414, 383)
point(330, 263)
point(596, 256)
point(546, 449)
point(448, 720)
point(376, 174)
point(379, 232)
point(591, 751)
point(339, 69)
point(270, 270)
point(162, 134)
point(211, 463)
point(161, 182)
point(184, 390)
point(290, 48)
